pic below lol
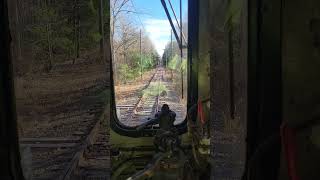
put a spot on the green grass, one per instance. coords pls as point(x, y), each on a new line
point(154, 90)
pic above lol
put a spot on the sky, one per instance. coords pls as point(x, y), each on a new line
point(154, 21)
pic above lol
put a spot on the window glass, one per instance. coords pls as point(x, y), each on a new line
point(61, 86)
point(149, 68)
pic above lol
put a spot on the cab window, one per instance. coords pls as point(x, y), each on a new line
point(149, 59)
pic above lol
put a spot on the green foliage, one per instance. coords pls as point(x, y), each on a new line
point(53, 33)
point(45, 14)
point(126, 73)
point(233, 13)
point(183, 65)
point(136, 66)
point(63, 44)
point(95, 36)
point(44, 31)
point(144, 62)
point(174, 63)
point(92, 5)
point(147, 62)
point(155, 89)
point(53, 29)
point(90, 35)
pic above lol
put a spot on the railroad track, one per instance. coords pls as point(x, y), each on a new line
point(63, 166)
point(133, 113)
point(56, 157)
point(148, 104)
point(125, 111)
point(136, 110)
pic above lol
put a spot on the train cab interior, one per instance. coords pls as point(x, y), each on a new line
point(160, 89)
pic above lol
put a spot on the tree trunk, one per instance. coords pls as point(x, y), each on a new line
point(76, 27)
point(113, 60)
point(102, 50)
point(15, 28)
point(48, 27)
point(78, 36)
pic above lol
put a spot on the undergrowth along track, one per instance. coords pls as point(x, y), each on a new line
point(146, 104)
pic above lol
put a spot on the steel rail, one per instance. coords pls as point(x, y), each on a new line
point(140, 100)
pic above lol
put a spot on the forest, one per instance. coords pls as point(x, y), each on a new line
point(133, 52)
point(60, 52)
point(48, 32)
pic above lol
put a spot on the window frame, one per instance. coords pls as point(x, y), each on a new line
point(192, 79)
point(10, 155)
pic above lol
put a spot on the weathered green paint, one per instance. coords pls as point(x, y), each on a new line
point(204, 52)
point(134, 148)
point(127, 142)
point(116, 174)
point(124, 141)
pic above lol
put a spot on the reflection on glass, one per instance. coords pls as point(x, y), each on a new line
point(61, 87)
point(149, 68)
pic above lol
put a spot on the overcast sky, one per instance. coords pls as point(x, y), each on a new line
point(154, 20)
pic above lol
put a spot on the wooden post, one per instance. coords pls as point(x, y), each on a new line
point(141, 55)
point(171, 48)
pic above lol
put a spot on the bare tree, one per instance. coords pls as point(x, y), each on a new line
point(127, 37)
point(116, 8)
